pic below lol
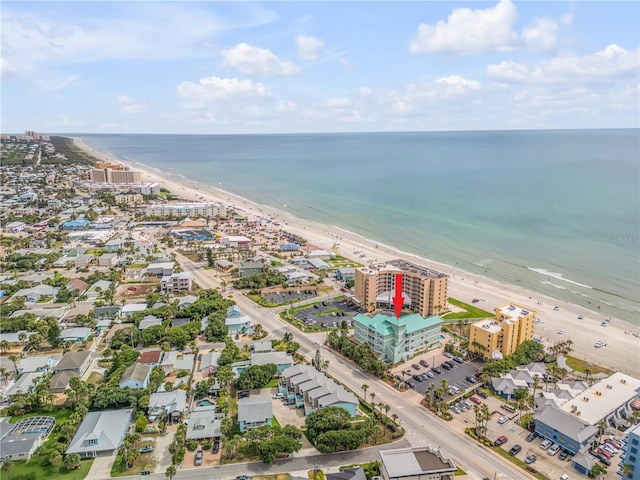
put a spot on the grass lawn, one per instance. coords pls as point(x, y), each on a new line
point(272, 383)
point(581, 366)
point(470, 311)
point(61, 416)
point(143, 462)
point(24, 469)
point(519, 463)
point(275, 422)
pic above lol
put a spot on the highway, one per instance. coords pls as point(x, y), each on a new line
point(422, 428)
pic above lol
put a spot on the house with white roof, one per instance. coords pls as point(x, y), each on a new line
point(171, 403)
point(101, 433)
point(254, 412)
point(131, 308)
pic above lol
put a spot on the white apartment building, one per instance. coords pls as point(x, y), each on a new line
point(192, 210)
point(176, 282)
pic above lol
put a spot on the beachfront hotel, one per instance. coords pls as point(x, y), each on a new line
point(192, 210)
point(396, 339)
point(424, 290)
point(500, 336)
point(109, 175)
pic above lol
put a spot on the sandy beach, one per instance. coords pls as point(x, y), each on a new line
point(622, 352)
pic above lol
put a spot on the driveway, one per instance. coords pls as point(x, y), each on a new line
point(286, 414)
point(101, 468)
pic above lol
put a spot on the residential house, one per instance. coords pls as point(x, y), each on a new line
point(209, 363)
point(356, 473)
point(36, 293)
point(168, 361)
point(74, 361)
point(250, 268)
point(204, 424)
point(184, 363)
point(101, 433)
point(149, 321)
point(223, 265)
point(77, 285)
point(37, 363)
point(114, 245)
point(135, 376)
point(131, 308)
point(416, 463)
point(345, 273)
point(186, 301)
point(108, 260)
point(59, 382)
point(75, 335)
point(177, 282)
point(236, 322)
point(281, 360)
point(19, 441)
point(15, 227)
point(150, 358)
point(172, 404)
point(254, 412)
point(97, 289)
point(321, 254)
point(262, 346)
point(83, 261)
point(317, 264)
point(23, 384)
point(109, 312)
point(14, 337)
point(160, 269)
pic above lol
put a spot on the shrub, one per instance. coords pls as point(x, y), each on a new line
point(207, 444)
point(141, 423)
point(192, 445)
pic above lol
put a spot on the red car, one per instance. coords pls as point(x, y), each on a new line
point(613, 442)
point(132, 289)
point(475, 400)
point(500, 440)
point(603, 452)
point(477, 373)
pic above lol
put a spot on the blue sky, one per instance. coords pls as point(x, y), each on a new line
point(240, 67)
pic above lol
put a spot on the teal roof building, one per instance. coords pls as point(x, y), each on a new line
point(396, 339)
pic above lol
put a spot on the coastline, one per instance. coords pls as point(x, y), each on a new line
point(462, 285)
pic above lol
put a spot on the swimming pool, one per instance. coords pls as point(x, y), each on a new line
point(205, 403)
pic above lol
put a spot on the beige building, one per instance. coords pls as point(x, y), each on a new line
point(177, 282)
point(192, 210)
point(424, 290)
point(500, 336)
point(108, 175)
point(129, 198)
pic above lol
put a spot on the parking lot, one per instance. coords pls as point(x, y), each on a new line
point(456, 376)
point(327, 314)
point(291, 295)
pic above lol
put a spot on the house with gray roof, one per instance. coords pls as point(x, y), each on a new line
point(204, 424)
point(14, 337)
point(171, 404)
point(567, 430)
point(23, 384)
point(281, 360)
point(75, 335)
point(187, 300)
point(209, 363)
point(37, 363)
point(418, 462)
point(168, 360)
point(101, 433)
point(254, 412)
point(97, 289)
point(74, 361)
point(19, 441)
point(184, 363)
point(59, 382)
point(149, 321)
point(348, 474)
point(135, 376)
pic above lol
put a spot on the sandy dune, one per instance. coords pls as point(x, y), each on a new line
point(621, 353)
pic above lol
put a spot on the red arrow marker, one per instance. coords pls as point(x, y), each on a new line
point(398, 299)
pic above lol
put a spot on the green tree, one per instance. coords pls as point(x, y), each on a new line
point(72, 461)
point(170, 472)
point(7, 466)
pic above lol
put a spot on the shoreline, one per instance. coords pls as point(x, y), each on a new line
point(463, 285)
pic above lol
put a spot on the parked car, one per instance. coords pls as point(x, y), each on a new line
point(415, 366)
point(531, 437)
point(555, 448)
point(436, 370)
point(546, 444)
point(216, 446)
point(563, 455)
point(417, 378)
point(447, 354)
point(515, 450)
point(424, 363)
point(399, 378)
point(244, 393)
point(530, 459)
point(278, 395)
point(429, 374)
point(503, 419)
point(408, 371)
point(602, 458)
point(243, 477)
point(411, 384)
point(458, 359)
point(475, 400)
point(470, 379)
point(146, 449)
point(445, 366)
point(501, 439)
point(613, 442)
point(450, 363)
point(198, 460)
point(609, 448)
point(482, 394)
point(603, 452)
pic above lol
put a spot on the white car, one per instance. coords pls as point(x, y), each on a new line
point(278, 395)
point(503, 419)
point(555, 448)
point(599, 344)
point(561, 331)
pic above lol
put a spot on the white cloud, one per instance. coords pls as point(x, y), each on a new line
point(215, 88)
point(309, 48)
point(611, 63)
point(128, 105)
point(7, 70)
point(490, 30)
point(365, 91)
point(252, 60)
point(286, 106)
point(337, 102)
point(457, 84)
point(468, 31)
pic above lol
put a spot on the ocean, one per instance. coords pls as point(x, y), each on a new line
point(552, 211)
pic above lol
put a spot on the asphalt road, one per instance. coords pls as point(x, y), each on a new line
point(422, 428)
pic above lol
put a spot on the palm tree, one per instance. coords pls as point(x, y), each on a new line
point(365, 387)
point(627, 470)
point(4, 346)
point(170, 472)
point(428, 394)
point(373, 403)
point(14, 359)
point(22, 336)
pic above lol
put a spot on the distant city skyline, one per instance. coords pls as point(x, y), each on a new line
point(296, 67)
